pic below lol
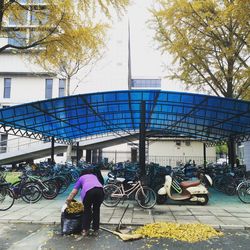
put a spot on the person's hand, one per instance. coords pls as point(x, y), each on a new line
point(68, 200)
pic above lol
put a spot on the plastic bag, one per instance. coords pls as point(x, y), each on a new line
point(71, 223)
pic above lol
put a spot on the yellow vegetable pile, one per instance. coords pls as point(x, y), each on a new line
point(184, 232)
point(74, 207)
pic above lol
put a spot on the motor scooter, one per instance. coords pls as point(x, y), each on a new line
point(192, 191)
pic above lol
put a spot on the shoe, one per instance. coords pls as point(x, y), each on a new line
point(85, 232)
point(95, 233)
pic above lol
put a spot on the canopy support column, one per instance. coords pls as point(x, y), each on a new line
point(52, 149)
point(142, 139)
point(231, 151)
point(205, 154)
point(77, 153)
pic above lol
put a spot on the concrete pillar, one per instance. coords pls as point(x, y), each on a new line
point(88, 155)
point(133, 154)
point(247, 155)
point(100, 155)
point(94, 156)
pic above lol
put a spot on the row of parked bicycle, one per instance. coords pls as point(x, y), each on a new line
point(36, 182)
point(185, 183)
point(189, 182)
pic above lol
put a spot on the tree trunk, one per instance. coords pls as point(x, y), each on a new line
point(1, 13)
point(68, 87)
point(69, 153)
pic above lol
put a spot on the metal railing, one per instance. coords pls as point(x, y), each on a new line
point(121, 156)
point(16, 144)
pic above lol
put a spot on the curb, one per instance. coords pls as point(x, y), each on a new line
point(218, 227)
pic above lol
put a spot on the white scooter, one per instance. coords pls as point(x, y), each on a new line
point(193, 191)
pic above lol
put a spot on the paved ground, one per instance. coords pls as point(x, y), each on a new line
point(48, 237)
point(225, 212)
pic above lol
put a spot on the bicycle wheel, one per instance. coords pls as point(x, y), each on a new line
point(112, 195)
point(49, 190)
point(30, 193)
point(229, 185)
point(74, 176)
point(61, 183)
point(243, 191)
point(6, 198)
point(15, 189)
point(230, 189)
point(146, 197)
point(217, 184)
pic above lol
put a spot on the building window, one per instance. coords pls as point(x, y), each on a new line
point(188, 143)
point(39, 15)
point(17, 38)
point(3, 143)
point(62, 84)
point(178, 143)
point(146, 83)
point(19, 20)
point(7, 87)
point(48, 88)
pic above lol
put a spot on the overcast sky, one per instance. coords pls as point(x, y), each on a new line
point(146, 59)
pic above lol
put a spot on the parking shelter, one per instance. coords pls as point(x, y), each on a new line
point(145, 113)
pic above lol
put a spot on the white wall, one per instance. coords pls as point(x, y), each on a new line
point(170, 148)
point(247, 155)
point(165, 152)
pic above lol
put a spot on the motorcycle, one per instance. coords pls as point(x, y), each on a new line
point(193, 191)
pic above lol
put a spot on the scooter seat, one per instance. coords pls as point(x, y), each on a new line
point(186, 184)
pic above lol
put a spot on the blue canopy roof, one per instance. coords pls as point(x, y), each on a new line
point(78, 117)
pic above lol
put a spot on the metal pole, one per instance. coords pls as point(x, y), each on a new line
point(142, 139)
point(77, 154)
point(52, 149)
point(231, 151)
point(205, 154)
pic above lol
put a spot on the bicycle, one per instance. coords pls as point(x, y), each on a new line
point(28, 192)
point(6, 197)
point(49, 188)
point(115, 192)
point(243, 191)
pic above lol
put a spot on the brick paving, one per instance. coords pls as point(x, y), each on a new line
point(221, 212)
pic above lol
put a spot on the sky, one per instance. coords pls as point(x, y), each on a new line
point(146, 59)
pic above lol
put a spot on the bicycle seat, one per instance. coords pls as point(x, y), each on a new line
point(120, 179)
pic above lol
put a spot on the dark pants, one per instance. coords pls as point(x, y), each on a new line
point(92, 202)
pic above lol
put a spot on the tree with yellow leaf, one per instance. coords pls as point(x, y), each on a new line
point(210, 41)
point(78, 47)
point(27, 24)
